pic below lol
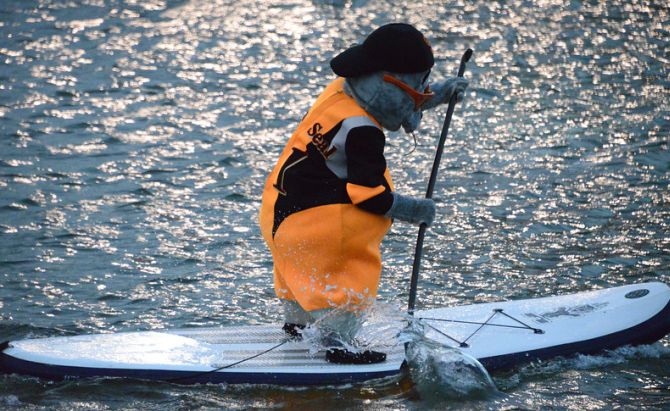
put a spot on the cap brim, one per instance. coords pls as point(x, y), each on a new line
point(353, 62)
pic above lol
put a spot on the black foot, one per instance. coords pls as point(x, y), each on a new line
point(293, 330)
point(341, 356)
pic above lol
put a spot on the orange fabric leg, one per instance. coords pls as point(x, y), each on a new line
point(328, 256)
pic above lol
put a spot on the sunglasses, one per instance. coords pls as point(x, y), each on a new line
point(419, 98)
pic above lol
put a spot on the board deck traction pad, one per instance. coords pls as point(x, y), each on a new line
point(500, 335)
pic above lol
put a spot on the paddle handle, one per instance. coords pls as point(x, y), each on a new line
point(431, 186)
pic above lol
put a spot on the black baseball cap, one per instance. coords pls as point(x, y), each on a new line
point(396, 47)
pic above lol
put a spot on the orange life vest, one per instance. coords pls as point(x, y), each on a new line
point(324, 244)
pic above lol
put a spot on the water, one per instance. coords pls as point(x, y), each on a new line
point(136, 137)
point(443, 373)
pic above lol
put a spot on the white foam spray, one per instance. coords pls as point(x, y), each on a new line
point(441, 372)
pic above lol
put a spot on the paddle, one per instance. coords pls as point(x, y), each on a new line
point(431, 186)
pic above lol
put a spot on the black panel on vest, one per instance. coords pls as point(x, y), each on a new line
point(304, 181)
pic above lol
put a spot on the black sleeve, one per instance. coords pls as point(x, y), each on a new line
point(367, 187)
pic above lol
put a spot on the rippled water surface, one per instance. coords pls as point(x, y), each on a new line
point(135, 137)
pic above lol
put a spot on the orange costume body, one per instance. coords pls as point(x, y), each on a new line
point(324, 203)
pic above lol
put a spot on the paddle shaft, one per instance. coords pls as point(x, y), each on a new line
point(431, 186)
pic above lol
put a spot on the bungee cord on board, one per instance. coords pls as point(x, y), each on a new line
point(464, 343)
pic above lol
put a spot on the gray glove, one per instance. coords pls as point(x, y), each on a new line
point(411, 123)
point(444, 90)
point(413, 210)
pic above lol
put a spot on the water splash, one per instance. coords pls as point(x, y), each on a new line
point(438, 371)
point(611, 358)
point(442, 372)
point(377, 327)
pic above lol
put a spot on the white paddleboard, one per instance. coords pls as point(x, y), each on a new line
point(499, 335)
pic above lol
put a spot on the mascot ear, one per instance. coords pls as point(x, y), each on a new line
point(412, 122)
